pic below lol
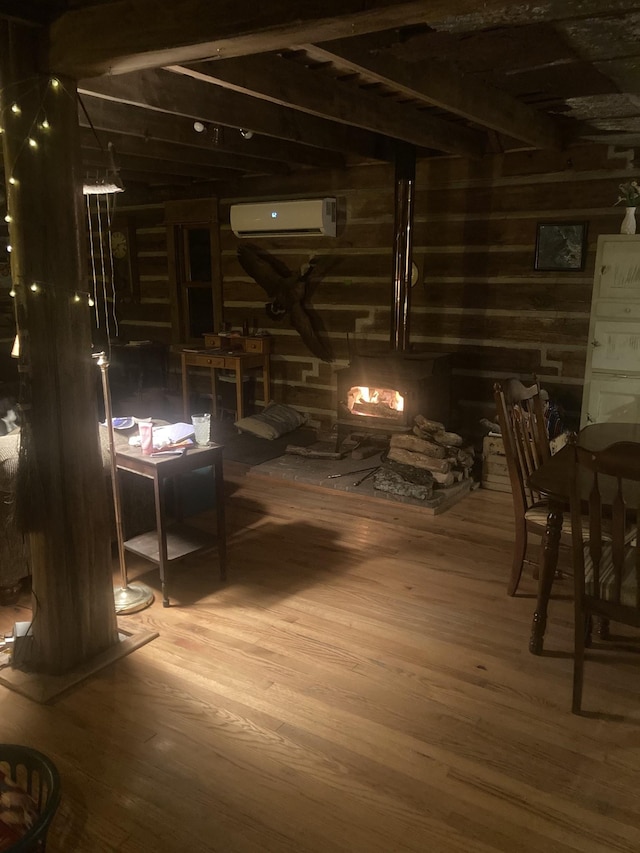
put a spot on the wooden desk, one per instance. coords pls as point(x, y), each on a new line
point(166, 544)
point(227, 353)
point(553, 479)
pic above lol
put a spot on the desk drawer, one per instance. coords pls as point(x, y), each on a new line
point(207, 361)
point(625, 310)
point(256, 345)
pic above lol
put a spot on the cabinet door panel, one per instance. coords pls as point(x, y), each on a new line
point(619, 267)
point(612, 399)
point(615, 346)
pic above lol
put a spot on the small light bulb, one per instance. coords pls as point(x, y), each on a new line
point(1, 129)
point(8, 218)
point(198, 126)
point(76, 297)
point(34, 287)
point(55, 83)
point(32, 142)
point(9, 248)
point(15, 109)
point(91, 302)
point(12, 293)
point(44, 125)
point(13, 181)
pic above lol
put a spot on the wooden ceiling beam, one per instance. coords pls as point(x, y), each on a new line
point(170, 93)
point(94, 161)
point(130, 35)
point(110, 116)
point(440, 85)
point(287, 83)
point(125, 144)
point(30, 12)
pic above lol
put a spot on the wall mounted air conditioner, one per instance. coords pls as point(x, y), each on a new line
point(285, 218)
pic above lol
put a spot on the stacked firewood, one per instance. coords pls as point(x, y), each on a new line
point(432, 448)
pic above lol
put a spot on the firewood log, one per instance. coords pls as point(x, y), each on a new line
point(420, 460)
point(418, 445)
point(427, 425)
point(465, 460)
point(448, 438)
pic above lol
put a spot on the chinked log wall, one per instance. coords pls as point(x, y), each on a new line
point(478, 295)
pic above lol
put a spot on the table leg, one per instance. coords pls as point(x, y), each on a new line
point(214, 392)
point(266, 380)
point(185, 390)
point(545, 583)
point(220, 518)
point(162, 537)
point(239, 390)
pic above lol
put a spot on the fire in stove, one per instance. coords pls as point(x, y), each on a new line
point(375, 402)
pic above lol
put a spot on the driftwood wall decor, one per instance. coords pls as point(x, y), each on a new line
point(287, 292)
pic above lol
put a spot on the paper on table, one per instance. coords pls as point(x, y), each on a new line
point(171, 434)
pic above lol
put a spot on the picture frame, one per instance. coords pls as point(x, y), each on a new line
point(560, 246)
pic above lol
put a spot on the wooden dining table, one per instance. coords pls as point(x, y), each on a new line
point(553, 479)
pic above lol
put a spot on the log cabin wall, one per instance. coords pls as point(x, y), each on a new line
point(478, 295)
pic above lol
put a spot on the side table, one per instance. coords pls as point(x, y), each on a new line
point(169, 543)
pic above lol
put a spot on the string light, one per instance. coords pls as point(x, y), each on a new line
point(15, 109)
point(13, 181)
point(34, 287)
point(32, 142)
point(55, 83)
point(8, 218)
point(44, 124)
point(12, 293)
point(9, 248)
point(77, 297)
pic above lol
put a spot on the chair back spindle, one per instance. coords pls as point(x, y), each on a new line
point(606, 557)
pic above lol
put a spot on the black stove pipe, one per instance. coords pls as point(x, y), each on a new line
point(405, 180)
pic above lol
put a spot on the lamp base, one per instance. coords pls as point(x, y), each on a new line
point(132, 598)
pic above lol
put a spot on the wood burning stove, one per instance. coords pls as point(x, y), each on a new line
point(384, 394)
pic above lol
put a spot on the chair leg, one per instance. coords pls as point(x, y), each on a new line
point(603, 628)
point(581, 629)
point(519, 553)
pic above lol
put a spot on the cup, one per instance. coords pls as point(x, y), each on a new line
point(146, 437)
point(202, 428)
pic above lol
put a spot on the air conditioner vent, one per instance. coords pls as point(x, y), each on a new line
point(302, 217)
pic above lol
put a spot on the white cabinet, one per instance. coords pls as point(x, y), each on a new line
point(612, 375)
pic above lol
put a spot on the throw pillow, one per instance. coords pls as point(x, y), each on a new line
point(275, 420)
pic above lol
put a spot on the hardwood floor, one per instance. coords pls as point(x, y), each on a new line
point(361, 683)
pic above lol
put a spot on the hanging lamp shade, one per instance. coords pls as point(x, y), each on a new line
point(109, 182)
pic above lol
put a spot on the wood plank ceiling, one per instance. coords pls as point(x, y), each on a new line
point(319, 85)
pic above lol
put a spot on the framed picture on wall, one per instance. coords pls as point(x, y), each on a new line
point(560, 246)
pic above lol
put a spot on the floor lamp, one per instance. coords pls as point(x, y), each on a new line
point(130, 597)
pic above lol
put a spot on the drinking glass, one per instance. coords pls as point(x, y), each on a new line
point(202, 428)
point(146, 437)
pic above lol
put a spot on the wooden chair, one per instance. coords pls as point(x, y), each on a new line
point(520, 412)
point(606, 562)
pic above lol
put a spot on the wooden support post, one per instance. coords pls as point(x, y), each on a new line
point(60, 473)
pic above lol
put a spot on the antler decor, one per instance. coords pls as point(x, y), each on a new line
point(287, 292)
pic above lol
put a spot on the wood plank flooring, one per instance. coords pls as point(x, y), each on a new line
point(361, 683)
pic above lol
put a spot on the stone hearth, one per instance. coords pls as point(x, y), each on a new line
point(315, 473)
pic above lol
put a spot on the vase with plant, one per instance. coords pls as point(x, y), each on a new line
point(629, 195)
